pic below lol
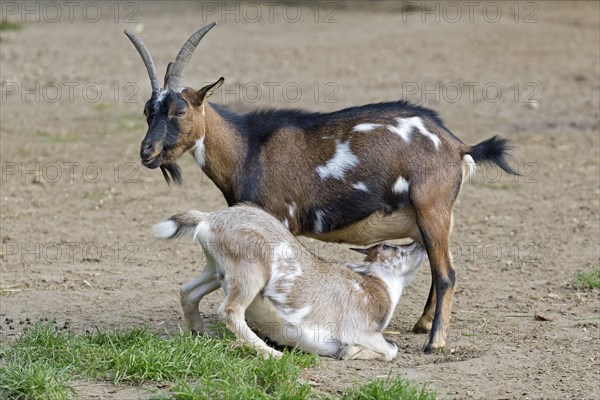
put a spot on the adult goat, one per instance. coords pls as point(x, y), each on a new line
point(359, 175)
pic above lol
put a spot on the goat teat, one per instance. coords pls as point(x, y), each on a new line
point(404, 257)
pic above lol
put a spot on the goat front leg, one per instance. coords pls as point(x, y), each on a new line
point(192, 292)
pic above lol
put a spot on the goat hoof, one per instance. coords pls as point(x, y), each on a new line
point(433, 348)
point(272, 353)
point(195, 331)
point(422, 327)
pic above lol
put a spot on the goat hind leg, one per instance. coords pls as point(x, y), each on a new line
point(435, 234)
point(434, 218)
point(375, 347)
point(240, 294)
point(425, 322)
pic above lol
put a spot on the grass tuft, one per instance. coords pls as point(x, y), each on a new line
point(10, 26)
point(34, 381)
point(389, 389)
point(40, 364)
point(588, 280)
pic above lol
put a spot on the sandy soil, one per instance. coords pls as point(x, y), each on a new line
point(77, 206)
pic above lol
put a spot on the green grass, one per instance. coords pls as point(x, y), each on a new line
point(588, 280)
point(42, 363)
point(132, 122)
point(55, 137)
point(10, 26)
point(388, 389)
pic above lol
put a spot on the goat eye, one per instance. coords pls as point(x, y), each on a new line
point(385, 247)
point(180, 113)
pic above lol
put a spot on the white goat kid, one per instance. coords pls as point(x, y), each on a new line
point(286, 293)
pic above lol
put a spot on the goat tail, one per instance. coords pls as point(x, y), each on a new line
point(491, 151)
point(190, 224)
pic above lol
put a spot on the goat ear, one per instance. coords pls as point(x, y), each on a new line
point(204, 93)
point(168, 74)
point(361, 251)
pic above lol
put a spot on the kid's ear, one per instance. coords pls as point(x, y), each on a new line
point(361, 251)
point(204, 93)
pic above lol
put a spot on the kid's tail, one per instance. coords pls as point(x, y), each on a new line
point(188, 224)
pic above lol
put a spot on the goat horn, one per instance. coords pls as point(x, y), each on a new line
point(146, 57)
point(184, 57)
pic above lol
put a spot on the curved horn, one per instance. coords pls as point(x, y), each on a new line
point(146, 57)
point(184, 57)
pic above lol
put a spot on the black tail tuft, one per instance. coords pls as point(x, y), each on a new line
point(493, 151)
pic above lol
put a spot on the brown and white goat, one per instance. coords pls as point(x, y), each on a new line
point(288, 294)
point(359, 175)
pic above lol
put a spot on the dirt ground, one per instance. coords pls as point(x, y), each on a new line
point(77, 206)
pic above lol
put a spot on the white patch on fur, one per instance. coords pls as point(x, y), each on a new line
point(319, 221)
point(365, 127)
point(342, 161)
point(405, 127)
point(469, 167)
point(286, 223)
point(400, 186)
point(161, 96)
point(199, 153)
point(165, 229)
point(292, 209)
point(357, 285)
point(202, 232)
point(360, 186)
point(284, 270)
point(297, 316)
point(395, 288)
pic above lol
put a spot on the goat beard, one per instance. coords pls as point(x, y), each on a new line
point(171, 173)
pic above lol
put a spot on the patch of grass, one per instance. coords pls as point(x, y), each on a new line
point(131, 121)
point(10, 26)
point(103, 106)
point(41, 363)
point(588, 280)
point(55, 137)
point(33, 381)
point(389, 389)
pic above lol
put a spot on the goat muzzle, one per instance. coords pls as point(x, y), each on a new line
point(151, 154)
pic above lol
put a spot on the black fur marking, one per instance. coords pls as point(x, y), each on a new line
point(493, 151)
point(259, 125)
point(343, 211)
point(252, 171)
point(397, 200)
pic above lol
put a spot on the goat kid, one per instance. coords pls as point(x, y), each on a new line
point(360, 175)
point(288, 294)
